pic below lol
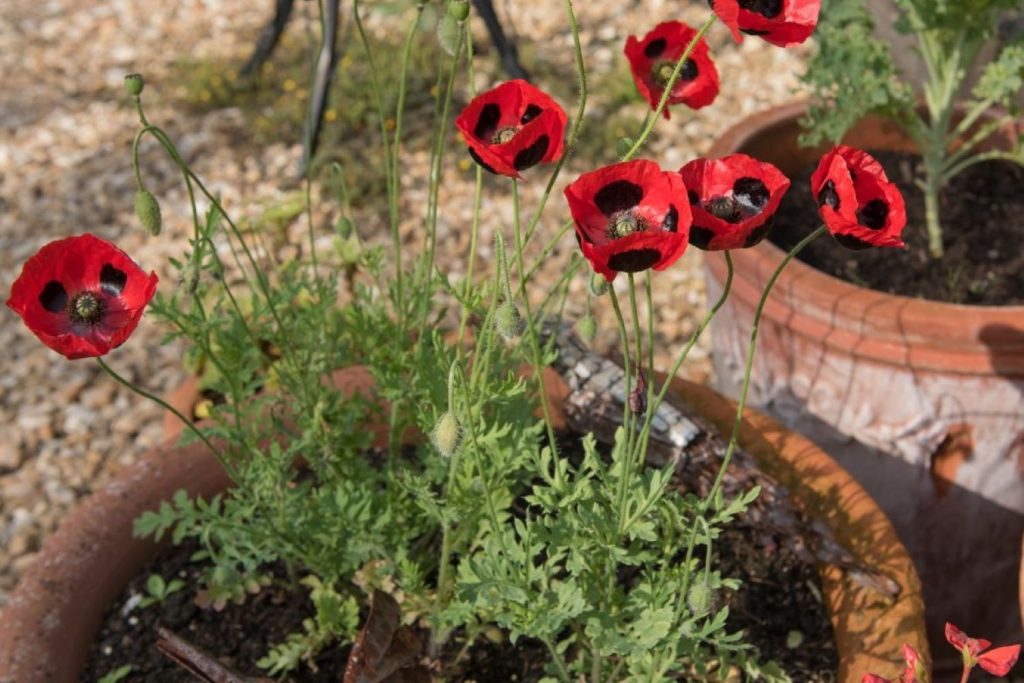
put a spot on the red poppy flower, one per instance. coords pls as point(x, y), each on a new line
point(914, 672)
point(733, 200)
point(629, 217)
point(512, 127)
point(997, 662)
point(81, 296)
point(653, 58)
point(781, 22)
point(856, 200)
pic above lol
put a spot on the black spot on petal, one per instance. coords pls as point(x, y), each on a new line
point(873, 214)
point(671, 222)
point(754, 32)
point(634, 260)
point(851, 242)
point(690, 71)
point(701, 237)
point(531, 156)
point(54, 297)
point(618, 195)
point(490, 114)
point(477, 159)
point(693, 197)
point(532, 112)
point(828, 195)
point(655, 48)
point(112, 280)
point(751, 193)
point(757, 234)
point(769, 9)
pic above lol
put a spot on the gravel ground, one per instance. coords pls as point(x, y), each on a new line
point(65, 135)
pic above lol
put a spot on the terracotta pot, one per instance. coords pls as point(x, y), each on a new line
point(50, 622)
point(919, 400)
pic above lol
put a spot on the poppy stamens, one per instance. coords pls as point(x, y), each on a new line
point(86, 308)
point(503, 135)
point(625, 224)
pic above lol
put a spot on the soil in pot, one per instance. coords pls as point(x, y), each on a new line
point(981, 209)
point(780, 598)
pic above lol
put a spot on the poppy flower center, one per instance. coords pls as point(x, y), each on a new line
point(662, 72)
point(503, 135)
point(625, 224)
point(85, 308)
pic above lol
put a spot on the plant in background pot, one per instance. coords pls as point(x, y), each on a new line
point(908, 365)
point(551, 556)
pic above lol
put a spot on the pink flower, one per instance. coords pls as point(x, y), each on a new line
point(997, 662)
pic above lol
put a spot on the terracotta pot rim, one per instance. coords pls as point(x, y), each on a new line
point(47, 595)
point(737, 135)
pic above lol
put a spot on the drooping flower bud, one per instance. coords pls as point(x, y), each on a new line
point(699, 598)
point(447, 435)
point(587, 327)
point(459, 9)
point(134, 84)
point(597, 285)
point(623, 145)
point(509, 322)
point(147, 210)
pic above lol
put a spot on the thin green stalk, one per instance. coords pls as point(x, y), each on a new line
point(745, 387)
point(531, 323)
point(437, 161)
point(563, 673)
point(574, 132)
point(639, 341)
point(983, 156)
point(168, 407)
point(546, 251)
point(646, 131)
point(653, 406)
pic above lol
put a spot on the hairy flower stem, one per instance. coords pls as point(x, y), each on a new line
point(531, 324)
point(168, 407)
point(649, 126)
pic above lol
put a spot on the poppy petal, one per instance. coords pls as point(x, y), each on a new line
point(1000, 660)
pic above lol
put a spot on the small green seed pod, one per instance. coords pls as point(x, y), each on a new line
point(147, 210)
point(134, 84)
point(597, 285)
point(447, 435)
point(459, 9)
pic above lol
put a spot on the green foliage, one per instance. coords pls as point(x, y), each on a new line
point(158, 590)
point(118, 674)
point(851, 74)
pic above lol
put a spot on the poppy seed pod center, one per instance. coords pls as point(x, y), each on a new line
point(85, 308)
point(624, 224)
point(503, 135)
point(662, 72)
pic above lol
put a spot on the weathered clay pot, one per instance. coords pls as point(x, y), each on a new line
point(56, 609)
point(919, 400)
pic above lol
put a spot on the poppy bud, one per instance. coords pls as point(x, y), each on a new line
point(598, 285)
point(587, 327)
point(459, 9)
point(623, 145)
point(344, 228)
point(134, 84)
point(508, 322)
point(447, 435)
point(189, 279)
point(147, 210)
point(699, 599)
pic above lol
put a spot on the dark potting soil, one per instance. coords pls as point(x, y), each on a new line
point(778, 606)
point(981, 212)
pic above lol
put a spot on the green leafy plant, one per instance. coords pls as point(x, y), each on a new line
point(488, 521)
point(852, 74)
point(158, 590)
